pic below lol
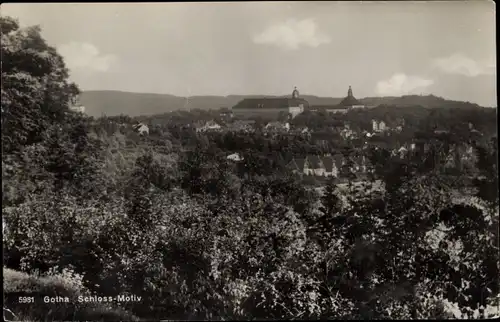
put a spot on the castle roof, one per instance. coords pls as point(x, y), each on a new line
point(329, 107)
point(349, 101)
point(270, 103)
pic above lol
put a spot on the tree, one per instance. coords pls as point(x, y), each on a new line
point(35, 86)
point(487, 164)
point(330, 199)
point(207, 172)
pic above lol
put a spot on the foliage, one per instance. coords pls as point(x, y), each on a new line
point(487, 181)
point(35, 87)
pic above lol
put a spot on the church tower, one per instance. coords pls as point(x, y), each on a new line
point(349, 92)
point(295, 93)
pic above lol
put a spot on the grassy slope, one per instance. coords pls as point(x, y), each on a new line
point(18, 284)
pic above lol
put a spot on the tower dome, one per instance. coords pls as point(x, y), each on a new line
point(350, 100)
point(295, 93)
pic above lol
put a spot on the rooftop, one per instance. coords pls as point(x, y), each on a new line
point(270, 103)
point(329, 107)
point(350, 100)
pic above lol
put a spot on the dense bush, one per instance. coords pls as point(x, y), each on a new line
point(254, 257)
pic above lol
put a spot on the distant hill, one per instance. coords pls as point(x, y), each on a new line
point(135, 104)
point(428, 101)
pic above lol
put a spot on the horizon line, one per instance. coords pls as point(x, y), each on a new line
point(275, 95)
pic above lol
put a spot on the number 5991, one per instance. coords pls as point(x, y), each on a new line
point(26, 299)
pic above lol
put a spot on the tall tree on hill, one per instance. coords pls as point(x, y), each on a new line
point(35, 86)
point(42, 141)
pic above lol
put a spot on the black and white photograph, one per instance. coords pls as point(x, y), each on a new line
point(246, 161)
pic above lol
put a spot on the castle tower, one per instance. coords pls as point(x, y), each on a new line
point(350, 101)
point(295, 93)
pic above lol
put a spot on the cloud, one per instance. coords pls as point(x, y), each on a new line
point(85, 56)
point(292, 34)
point(463, 65)
point(401, 84)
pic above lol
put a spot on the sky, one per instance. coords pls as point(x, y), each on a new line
point(266, 48)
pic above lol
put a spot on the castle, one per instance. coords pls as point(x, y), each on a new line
point(271, 106)
point(293, 106)
point(349, 102)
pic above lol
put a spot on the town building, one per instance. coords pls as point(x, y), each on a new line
point(277, 127)
point(398, 125)
point(236, 157)
point(460, 157)
point(346, 133)
point(75, 105)
point(334, 109)
point(79, 109)
point(210, 126)
point(378, 126)
point(141, 128)
point(313, 165)
point(271, 107)
point(243, 126)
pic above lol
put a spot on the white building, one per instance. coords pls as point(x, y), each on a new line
point(378, 126)
point(75, 105)
point(346, 132)
point(209, 126)
point(141, 128)
point(80, 109)
point(235, 157)
point(278, 126)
